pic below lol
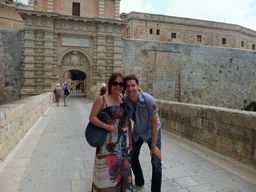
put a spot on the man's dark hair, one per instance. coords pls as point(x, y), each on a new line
point(131, 77)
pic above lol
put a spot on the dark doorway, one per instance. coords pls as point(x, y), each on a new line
point(78, 81)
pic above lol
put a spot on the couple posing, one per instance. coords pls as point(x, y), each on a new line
point(112, 170)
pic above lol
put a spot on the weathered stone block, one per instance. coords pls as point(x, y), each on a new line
point(224, 130)
point(2, 117)
point(248, 151)
point(252, 121)
point(202, 112)
point(188, 130)
point(190, 110)
point(205, 124)
point(213, 139)
point(198, 122)
point(185, 119)
point(225, 116)
point(240, 118)
point(224, 143)
point(213, 127)
point(222, 151)
point(238, 133)
point(3, 150)
point(206, 136)
point(239, 147)
point(212, 113)
point(2, 135)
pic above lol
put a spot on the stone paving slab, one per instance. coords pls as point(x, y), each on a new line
point(54, 156)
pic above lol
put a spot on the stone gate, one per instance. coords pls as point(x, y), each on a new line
point(54, 43)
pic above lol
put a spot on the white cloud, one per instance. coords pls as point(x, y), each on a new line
point(235, 12)
point(149, 8)
point(131, 5)
point(23, 1)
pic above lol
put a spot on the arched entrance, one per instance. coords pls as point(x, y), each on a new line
point(75, 61)
point(76, 80)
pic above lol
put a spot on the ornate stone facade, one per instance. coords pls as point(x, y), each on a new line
point(55, 43)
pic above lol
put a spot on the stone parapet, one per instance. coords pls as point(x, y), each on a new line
point(17, 117)
point(227, 131)
point(186, 21)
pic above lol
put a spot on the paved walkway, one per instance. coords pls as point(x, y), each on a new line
point(54, 157)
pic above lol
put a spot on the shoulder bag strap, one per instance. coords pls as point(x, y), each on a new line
point(104, 102)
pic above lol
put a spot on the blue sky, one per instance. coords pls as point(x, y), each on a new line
point(239, 12)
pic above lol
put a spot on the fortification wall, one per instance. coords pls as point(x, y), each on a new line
point(10, 65)
point(17, 117)
point(193, 73)
point(227, 131)
point(184, 30)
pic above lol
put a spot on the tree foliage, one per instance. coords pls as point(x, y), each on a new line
point(250, 107)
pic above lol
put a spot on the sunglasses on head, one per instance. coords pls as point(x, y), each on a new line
point(120, 84)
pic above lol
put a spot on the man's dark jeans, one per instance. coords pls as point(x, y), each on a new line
point(156, 164)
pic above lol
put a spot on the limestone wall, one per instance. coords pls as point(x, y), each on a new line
point(227, 131)
point(193, 73)
point(184, 30)
point(10, 65)
point(17, 117)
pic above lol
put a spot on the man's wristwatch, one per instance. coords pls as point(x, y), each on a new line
point(153, 145)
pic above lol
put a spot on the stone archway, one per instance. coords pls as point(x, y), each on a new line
point(74, 60)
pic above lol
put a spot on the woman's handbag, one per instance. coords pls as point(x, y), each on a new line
point(95, 135)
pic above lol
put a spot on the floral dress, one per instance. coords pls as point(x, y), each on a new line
point(112, 170)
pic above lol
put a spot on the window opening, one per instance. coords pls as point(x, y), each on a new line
point(224, 41)
point(173, 35)
point(76, 9)
point(158, 32)
point(242, 43)
point(151, 31)
point(253, 46)
point(199, 38)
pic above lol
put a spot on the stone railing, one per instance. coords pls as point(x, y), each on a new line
point(17, 117)
point(227, 131)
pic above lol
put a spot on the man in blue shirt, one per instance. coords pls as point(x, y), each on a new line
point(147, 128)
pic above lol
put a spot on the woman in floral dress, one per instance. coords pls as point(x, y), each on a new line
point(112, 171)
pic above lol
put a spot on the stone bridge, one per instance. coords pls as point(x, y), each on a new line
point(42, 147)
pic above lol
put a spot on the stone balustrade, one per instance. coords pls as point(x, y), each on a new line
point(227, 131)
point(17, 117)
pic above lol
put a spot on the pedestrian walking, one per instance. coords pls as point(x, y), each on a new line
point(71, 88)
point(147, 128)
point(65, 93)
point(57, 92)
point(103, 89)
